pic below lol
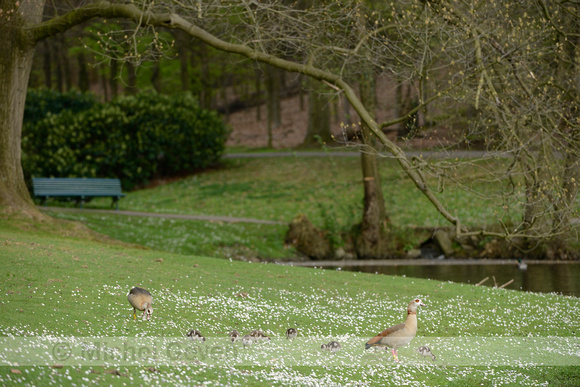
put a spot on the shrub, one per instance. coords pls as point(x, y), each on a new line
point(134, 138)
point(42, 102)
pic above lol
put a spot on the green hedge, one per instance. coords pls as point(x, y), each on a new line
point(134, 138)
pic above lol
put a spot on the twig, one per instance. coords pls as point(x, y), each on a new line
point(506, 284)
point(482, 281)
point(494, 281)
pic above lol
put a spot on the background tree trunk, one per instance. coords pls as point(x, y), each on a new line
point(47, 65)
point(156, 76)
point(84, 82)
point(273, 82)
point(318, 116)
point(113, 76)
point(372, 241)
point(131, 78)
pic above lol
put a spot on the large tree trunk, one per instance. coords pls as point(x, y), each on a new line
point(15, 65)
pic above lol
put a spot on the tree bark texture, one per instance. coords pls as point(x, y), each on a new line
point(15, 64)
point(372, 241)
point(318, 130)
point(273, 103)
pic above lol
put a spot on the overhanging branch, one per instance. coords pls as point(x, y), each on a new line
point(106, 9)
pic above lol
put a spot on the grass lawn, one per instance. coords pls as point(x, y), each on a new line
point(327, 189)
point(68, 289)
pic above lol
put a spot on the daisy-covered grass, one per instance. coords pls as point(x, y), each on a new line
point(242, 241)
point(73, 290)
point(326, 189)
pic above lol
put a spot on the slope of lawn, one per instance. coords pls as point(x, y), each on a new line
point(60, 287)
point(327, 189)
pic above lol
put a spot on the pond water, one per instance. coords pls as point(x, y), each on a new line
point(561, 278)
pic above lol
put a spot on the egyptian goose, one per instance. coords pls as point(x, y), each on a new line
point(425, 351)
point(398, 335)
point(195, 335)
point(234, 336)
point(141, 299)
point(256, 334)
point(291, 333)
point(247, 340)
point(333, 346)
point(259, 335)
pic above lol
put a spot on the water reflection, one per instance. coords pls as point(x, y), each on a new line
point(544, 278)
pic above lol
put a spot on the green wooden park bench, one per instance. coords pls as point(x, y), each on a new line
point(83, 189)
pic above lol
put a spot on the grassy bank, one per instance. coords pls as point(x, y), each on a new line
point(327, 189)
point(64, 286)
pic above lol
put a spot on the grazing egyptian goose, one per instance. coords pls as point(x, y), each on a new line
point(255, 334)
point(426, 351)
point(141, 299)
point(259, 335)
point(195, 335)
point(234, 336)
point(291, 333)
point(333, 346)
point(398, 335)
point(247, 340)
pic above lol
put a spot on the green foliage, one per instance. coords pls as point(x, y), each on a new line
point(42, 102)
point(134, 138)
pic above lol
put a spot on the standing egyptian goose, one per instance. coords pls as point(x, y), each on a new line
point(141, 299)
point(398, 335)
point(291, 333)
point(234, 335)
point(247, 340)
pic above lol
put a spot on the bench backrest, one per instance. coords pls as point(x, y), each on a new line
point(44, 186)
